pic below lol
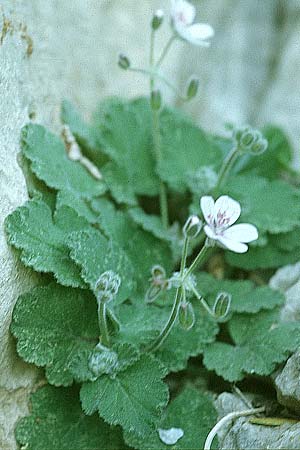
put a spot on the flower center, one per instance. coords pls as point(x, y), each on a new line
point(220, 222)
point(181, 18)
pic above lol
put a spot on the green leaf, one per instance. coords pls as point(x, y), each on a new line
point(96, 254)
point(50, 163)
point(192, 411)
point(141, 247)
point(42, 239)
point(80, 205)
point(54, 326)
point(126, 137)
point(259, 198)
point(141, 323)
point(57, 423)
point(260, 342)
point(124, 400)
point(184, 149)
point(245, 296)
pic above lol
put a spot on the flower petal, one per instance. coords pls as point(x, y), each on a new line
point(210, 233)
point(231, 244)
point(227, 208)
point(207, 205)
point(201, 31)
point(182, 12)
point(243, 232)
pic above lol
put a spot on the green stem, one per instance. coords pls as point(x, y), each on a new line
point(203, 302)
point(153, 74)
point(174, 313)
point(226, 167)
point(163, 200)
point(165, 50)
point(103, 324)
point(151, 58)
point(199, 259)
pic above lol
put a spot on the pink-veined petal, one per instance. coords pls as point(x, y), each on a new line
point(231, 244)
point(243, 232)
point(210, 233)
point(226, 211)
point(207, 205)
point(201, 31)
point(182, 12)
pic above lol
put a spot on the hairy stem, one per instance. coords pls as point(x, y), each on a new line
point(226, 167)
point(153, 74)
point(199, 259)
point(228, 418)
point(174, 313)
point(165, 50)
point(103, 324)
point(203, 302)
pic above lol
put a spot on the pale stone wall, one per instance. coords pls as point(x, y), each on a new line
point(250, 74)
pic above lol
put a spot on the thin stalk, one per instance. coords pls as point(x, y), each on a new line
point(228, 418)
point(165, 50)
point(103, 324)
point(163, 200)
point(203, 302)
point(153, 74)
point(151, 58)
point(199, 258)
point(174, 313)
point(226, 167)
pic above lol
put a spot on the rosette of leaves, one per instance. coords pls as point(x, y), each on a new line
point(75, 227)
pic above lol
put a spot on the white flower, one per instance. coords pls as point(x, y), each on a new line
point(219, 216)
point(183, 14)
point(171, 436)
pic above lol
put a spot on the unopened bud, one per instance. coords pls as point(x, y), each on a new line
point(222, 306)
point(156, 100)
point(152, 293)
point(192, 227)
point(107, 286)
point(158, 271)
point(123, 62)
point(186, 316)
point(102, 361)
point(157, 19)
point(192, 88)
point(250, 140)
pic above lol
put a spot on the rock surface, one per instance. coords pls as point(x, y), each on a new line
point(243, 435)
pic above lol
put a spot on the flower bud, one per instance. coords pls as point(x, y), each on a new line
point(157, 19)
point(186, 316)
point(192, 88)
point(102, 360)
point(222, 306)
point(192, 227)
point(152, 293)
point(124, 62)
point(156, 100)
point(158, 271)
point(107, 286)
point(250, 140)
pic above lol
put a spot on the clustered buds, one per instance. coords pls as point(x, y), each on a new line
point(107, 286)
point(186, 315)
point(222, 306)
point(124, 62)
point(192, 227)
point(157, 20)
point(159, 282)
point(192, 88)
point(250, 140)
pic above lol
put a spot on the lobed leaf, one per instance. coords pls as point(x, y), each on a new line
point(260, 342)
point(56, 422)
point(41, 239)
point(133, 398)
